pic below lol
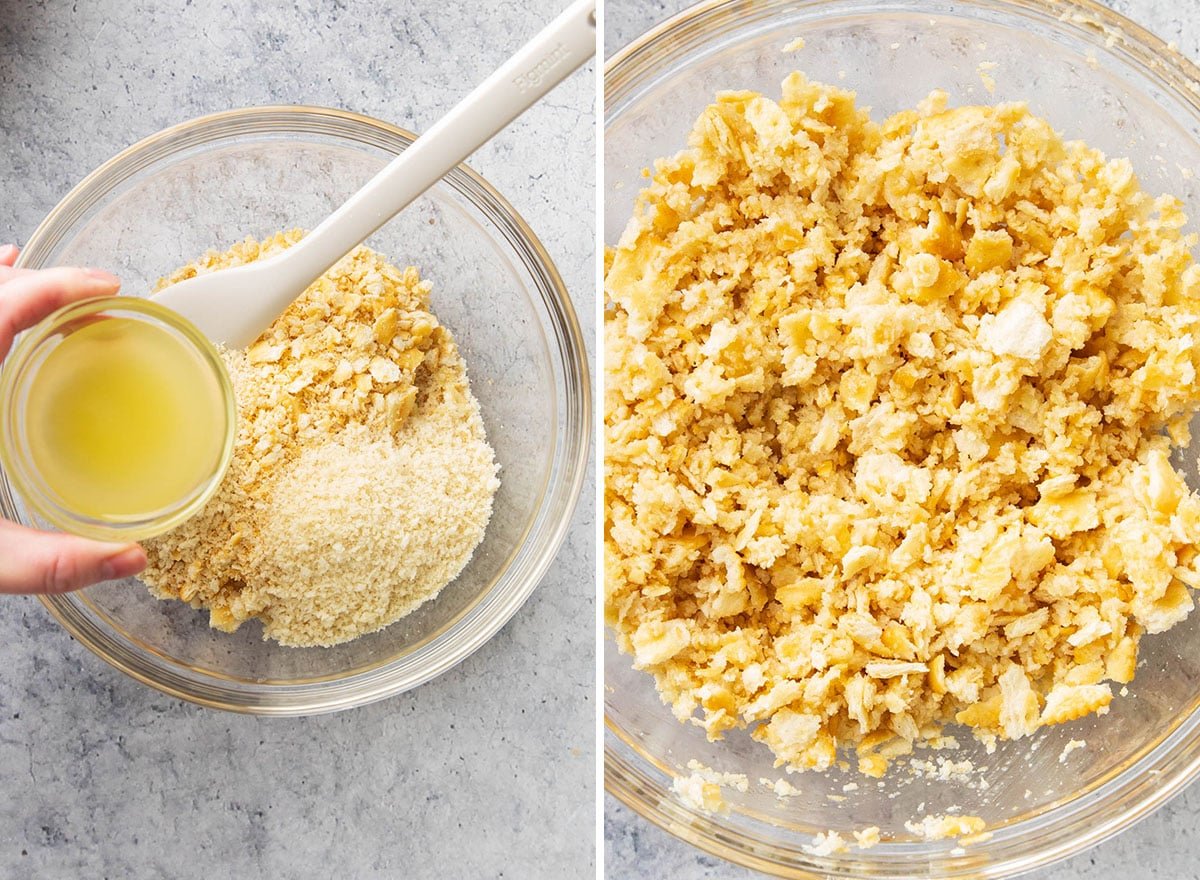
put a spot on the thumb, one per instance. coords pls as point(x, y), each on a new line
point(43, 562)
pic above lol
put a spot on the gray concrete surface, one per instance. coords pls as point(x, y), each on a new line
point(1163, 846)
point(486, 772)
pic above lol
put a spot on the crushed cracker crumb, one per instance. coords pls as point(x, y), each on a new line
point(1071, 746)
point(826, 843)
point(984, 70)
point(940, 827)
point(361, 479)
point(888, 421)
point(868, 837)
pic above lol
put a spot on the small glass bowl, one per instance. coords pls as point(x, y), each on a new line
point(16, 381)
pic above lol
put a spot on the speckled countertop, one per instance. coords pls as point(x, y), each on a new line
point(1163, 846)
point(484, 772)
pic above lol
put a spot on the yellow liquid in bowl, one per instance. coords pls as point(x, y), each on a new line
point(124, 419)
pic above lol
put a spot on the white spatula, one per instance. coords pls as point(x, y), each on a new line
point(234, 306)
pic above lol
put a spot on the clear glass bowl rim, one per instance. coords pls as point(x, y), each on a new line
point(489, 612)
point(1130, 793)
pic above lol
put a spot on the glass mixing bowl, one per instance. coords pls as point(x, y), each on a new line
point(1095, 76)
point(18, 442)
point(209, 182)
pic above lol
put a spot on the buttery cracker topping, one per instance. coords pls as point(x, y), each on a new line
point(888, 419)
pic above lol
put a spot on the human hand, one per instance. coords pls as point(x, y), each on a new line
point(44, 562)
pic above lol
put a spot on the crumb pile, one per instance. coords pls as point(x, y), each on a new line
point(885, 413)
point(361, 479)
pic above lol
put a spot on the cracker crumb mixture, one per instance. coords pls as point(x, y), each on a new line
point(968, 828)
point(361, 479)
point(888, 415)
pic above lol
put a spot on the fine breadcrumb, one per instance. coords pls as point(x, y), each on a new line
point(361, 480)
point(888, 416)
